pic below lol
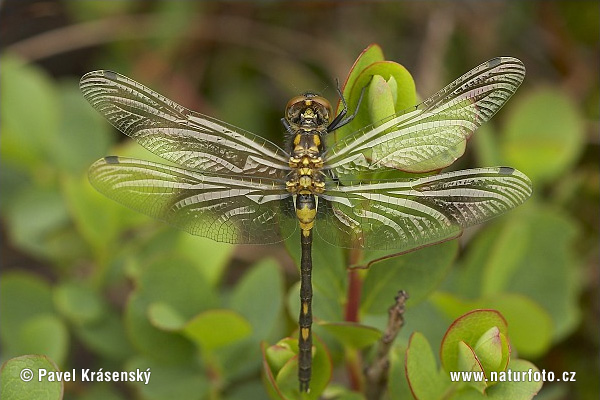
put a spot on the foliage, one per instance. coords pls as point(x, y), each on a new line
point(476, 342)
point(19, 378)
point(93, 285)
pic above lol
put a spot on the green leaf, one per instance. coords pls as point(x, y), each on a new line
point(277, 387)
point(549, 273)
point(467, 393)
point(13, 182)
point(217, 328)
point(273, 362)
point(214, 257)
point(486, 147)
point(346, 394)
point(165, 317)
point(550, 253)
point(531, 327)
point(101, 391)
point(351, 334)
point(83, 135)
point(35, 215)
point(106, 337)
point(405, 94)
point(23, 297)
point(98, 219)
point(380, 98)
point(14, 371)
point(371, 54)
point(371, 63)
point(418, 273)
point(403, 89)
point(78, 303)
point(398, 387)
point(340, 392)
point(426, 381)
point(521, 390)
point(30, 120)
point(468, 329)
point(489, 348)
point(544, 135)
point(168, 382)
point(280, 353)
point(177, 283)
point(149, 340)
point(467, 361)
point(492, 350)
point(504, 260)
point(286, 381)
point(45, 334)
point(329, 280)
point(247, 390)
point(259, 298)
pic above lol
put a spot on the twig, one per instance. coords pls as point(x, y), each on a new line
point(220, 29)
point(377, 373)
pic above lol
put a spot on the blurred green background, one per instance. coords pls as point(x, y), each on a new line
point(88, 282)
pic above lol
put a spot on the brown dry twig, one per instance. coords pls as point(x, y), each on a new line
point(377, 373)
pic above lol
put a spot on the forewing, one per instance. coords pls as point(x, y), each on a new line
point(433, 134)
point(225, 209)
point(393, 215)
point(187, 138)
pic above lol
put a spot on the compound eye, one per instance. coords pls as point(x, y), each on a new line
point(326, 106)
point(295, 100)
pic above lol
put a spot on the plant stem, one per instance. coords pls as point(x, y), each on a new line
point(353, 298)
point(377, 373)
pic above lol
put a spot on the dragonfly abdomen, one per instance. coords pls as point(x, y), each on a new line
point(306, 209)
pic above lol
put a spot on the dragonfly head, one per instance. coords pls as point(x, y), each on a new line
point(309, 110)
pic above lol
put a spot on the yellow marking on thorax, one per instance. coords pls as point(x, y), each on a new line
point(317, 140)
point(305, 182)
point(306, 163)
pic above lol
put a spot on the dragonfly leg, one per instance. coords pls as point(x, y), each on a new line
point(287, 126)
point(341, 119)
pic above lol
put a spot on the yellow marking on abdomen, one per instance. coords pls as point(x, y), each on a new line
point(305, 308)
point(306, 215)
point(305, 333)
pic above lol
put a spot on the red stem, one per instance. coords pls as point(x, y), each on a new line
point(353, 298)
point(351, 315)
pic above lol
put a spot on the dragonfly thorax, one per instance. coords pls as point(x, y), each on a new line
point(306, 163)
point(306, 176)
point(308, 116)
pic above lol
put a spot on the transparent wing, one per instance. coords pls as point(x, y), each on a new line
point(393, 215)
point(233, 210)
point(190, 139)
point(433, 134)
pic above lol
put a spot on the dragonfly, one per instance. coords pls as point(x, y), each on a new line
point(231, 185)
